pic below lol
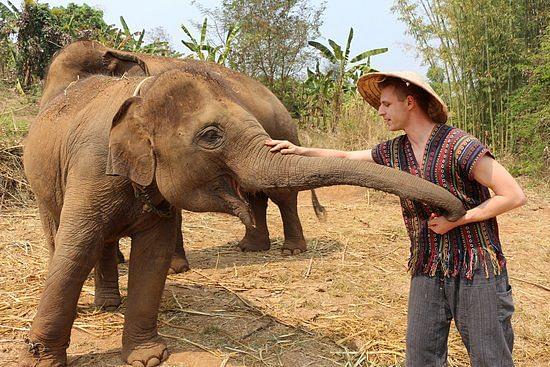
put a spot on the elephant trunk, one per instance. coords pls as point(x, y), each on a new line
point(263, 170)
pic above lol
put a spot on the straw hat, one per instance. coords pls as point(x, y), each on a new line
point(369, 88)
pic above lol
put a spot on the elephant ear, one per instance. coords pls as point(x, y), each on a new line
point(119, 63)
point(130, 147)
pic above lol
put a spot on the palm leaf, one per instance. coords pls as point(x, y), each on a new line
point(140, 40)
point(337, 49)
point(188, 34)
point(125, 26)
point(231, 33)
point(203, 30)
point(369, 53)
point(324, 50)
point(5, 10)
point(14, 8)
point(348, 44)
point(190, 45)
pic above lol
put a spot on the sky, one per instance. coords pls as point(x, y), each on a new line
point(373, 23)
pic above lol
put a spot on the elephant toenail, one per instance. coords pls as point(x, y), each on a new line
point(165, 355)
point(153, 362)
point(137, 364)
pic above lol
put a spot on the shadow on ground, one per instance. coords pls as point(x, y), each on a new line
point(209, 325)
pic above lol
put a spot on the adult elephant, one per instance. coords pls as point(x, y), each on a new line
point(125, 155)
point(84, 58)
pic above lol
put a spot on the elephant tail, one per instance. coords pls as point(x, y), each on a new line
point(320, 210)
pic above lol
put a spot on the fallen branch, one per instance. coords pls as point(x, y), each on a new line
point(532, 283)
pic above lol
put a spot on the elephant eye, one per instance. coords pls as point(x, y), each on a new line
point(211, 137)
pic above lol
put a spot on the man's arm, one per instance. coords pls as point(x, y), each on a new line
point(286, 147)
point(508, 196)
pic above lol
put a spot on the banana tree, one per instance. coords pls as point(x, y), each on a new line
point(346, 68)
point(318, 88)
point(202, 48)
point(127, 40)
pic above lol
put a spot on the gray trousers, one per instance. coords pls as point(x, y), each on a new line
point(481, 308)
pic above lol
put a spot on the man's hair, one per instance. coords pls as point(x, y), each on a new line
point(403, 89)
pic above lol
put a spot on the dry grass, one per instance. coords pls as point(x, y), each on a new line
point(15, 115)
point(343, 303)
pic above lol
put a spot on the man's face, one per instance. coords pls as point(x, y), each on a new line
point(395, 112)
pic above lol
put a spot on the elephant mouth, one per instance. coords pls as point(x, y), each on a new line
point(235, 201)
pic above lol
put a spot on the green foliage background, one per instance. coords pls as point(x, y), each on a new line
point(488, 59)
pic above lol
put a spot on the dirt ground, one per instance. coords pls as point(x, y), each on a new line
point(342, 303)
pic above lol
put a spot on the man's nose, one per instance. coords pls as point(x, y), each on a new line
point(381, 111)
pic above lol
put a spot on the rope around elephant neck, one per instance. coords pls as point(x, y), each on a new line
point(164, 210)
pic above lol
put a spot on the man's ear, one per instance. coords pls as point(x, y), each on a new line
point(411, 102)
point(130, 147)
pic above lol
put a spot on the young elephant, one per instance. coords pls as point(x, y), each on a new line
point(121, 163)
point(84, 58)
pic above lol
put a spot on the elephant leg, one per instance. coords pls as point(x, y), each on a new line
point(179, 263)
point(150, 256)
point(257, 239)
point(77, 246)
point(287, 201)
point(107, 295)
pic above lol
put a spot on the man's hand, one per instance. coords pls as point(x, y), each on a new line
point(441, 225)
point(508, 195)
point(284, 147)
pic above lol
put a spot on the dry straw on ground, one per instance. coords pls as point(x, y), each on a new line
point(342, 303)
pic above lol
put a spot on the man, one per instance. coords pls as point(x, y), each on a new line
point(458, 268)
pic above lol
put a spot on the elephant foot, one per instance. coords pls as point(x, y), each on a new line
point(254, 244)
point(294, 247)
point(36, 354)
point(145, 354)
point(107, 302)
point(178, 264)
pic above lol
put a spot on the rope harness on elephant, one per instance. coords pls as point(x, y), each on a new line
point(35, 348)
point(163, 210)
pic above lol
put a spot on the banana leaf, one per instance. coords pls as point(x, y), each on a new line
point(125, 26)
point(348, 44)
point(337, 49)
point(188, 34)
point(369, 53)
point(324, 51)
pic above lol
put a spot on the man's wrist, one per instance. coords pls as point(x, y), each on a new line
point(303, 150)
point(467, 218)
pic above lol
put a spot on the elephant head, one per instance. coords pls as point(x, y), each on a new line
point(189, 135)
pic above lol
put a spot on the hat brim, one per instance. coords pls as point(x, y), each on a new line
point(369, 88)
